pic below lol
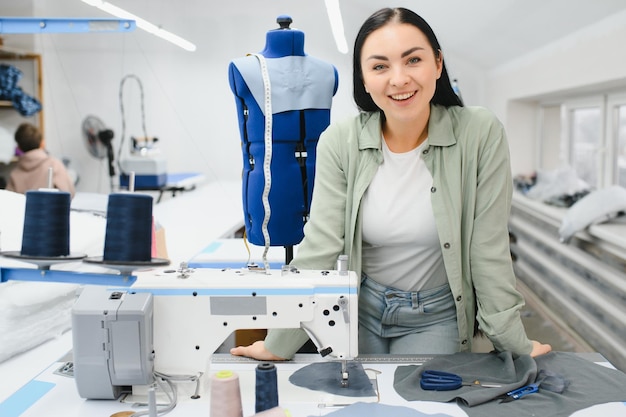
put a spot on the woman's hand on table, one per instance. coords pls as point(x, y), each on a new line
point(540, 349)
point(256, 351)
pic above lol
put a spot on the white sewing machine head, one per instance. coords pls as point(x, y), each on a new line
point(194, 312)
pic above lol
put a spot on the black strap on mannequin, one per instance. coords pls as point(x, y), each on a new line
point(300, 150)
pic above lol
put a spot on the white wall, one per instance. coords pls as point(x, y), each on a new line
point(591, 60)
point(471, 79)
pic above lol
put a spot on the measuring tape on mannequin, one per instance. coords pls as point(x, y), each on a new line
point(267, 159)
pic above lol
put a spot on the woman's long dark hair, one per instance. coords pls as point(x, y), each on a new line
point(444, 94)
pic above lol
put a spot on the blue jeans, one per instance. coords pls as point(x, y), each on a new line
point(401, 322)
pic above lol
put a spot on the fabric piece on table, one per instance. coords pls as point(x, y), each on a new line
point(588, 384)
point(361, 409)
point(326, 376)
point(491, 368)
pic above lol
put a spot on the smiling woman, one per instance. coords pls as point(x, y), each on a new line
point(399, 72)
point(416, 190)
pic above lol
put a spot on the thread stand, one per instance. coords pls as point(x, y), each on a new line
point(43, 262)
point(45, 235)
point(71, 277)
point(126, 268)
point(129, 230)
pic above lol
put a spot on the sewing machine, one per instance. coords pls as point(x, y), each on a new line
point(146, 162)
point(172, 321)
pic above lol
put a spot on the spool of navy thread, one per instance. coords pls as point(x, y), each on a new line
point(46, 231)
point(266, 387)
point(128, 235)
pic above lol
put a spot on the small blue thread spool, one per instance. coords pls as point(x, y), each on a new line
point(46, 231)
point(129, 228)
point(266, 387)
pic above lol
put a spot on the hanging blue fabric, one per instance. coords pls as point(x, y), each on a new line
point(9, 77)
point(25, 104)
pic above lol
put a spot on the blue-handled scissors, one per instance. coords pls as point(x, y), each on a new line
point(446, 381)
point(520, 392)
point(440, 381)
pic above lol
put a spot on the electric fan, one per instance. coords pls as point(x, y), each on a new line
point(98, 140)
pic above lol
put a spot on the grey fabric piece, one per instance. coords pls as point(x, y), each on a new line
point(361, 409)
point(501, 368)
point(326, 376)
point(588, 384)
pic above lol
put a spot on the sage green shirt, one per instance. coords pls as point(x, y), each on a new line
point(468, 157)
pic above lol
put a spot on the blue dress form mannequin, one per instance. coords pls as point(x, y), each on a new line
point(302, 88)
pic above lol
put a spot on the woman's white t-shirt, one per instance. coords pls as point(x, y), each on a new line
point(401, 248)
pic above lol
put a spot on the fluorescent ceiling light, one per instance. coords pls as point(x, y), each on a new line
point(142, 24)
point(336, 25)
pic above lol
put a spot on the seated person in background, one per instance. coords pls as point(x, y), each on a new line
point(32, 169)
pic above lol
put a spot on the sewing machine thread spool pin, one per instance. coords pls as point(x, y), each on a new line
point(342, 264)
point(131, 182)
